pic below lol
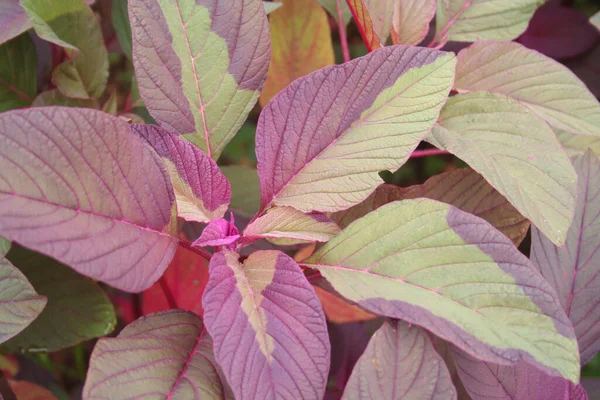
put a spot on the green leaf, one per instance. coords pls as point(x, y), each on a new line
point(120, 21)
point(19, 303)
point(77, 308)
point(452, 273)
point(471, 20)
point(547, 88)
point(245, 189)
point(110, 107)
point(72, 25)
point(271, 6)
point(18, 73)
point(331, 7)
point(578, 144)
point(4, 246)
point(55, 98)
point(516, 152)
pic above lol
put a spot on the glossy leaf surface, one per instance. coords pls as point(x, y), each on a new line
point(464, 188)
point(411, 20)
point(517, 153)
point(471, 20)
point(574, 270)
point(510, 69)
point(269, 330)
point(73, 25)
point(452, 273)
point(200, 65)
point(287, 222)
point(18, 76)
point(363, 116)
point(399, 362)
point(77, 308)
point(201, 190)
point(110, 218)
point(166, 355)
point(300, 42)
point(19, 303)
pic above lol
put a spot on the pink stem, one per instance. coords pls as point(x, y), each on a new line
point(439, 36)
point(343, 37)
point(428, 152)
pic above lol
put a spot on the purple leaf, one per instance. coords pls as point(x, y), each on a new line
point(574, 270)
point(268, 326)
point(485, 381)
point(164, 355)
point(201, 189)
point(200, 65)
point(400, 362)
point(219, 232)
point(321, 142)
point(13, 20)
point(78, 186)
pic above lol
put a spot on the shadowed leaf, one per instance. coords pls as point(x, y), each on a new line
point(269, 330)
point(13, 20)
point(73, 25)
point(452, 273)
point(18, 74)
point(574, 270)
point(4, 246)
point(510, 69)
point(25, 390)
point(399, 363)
point(55, 98)
point(331, 7)
point(120, 21)
point(362, 117)
point(79, 186)
point(77, 308)
point(200, 65)
point(245, 189)
point(301, 44)
point(166, 355)
point(516, 152)
point(201, 190)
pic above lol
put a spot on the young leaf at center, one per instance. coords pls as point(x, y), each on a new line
point(322, 141)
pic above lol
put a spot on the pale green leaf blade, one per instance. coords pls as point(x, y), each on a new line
point(546, 87)
point(19, 303)
point(18, 73)
point(77, 308)
point(4, 246)
point(271, 6)
point(578, 144)
point(73, 25)
point(452, 273)
point(411, 20)
point(54, 97)
point(471, 20)
point(517, 153)
point(289, 223)
point(595, 20)
point(331, 7)
point(200, 66)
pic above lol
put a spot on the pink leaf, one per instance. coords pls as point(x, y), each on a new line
point(78, 186)
point(219, 232)
point(268, 327)
point(201, 189)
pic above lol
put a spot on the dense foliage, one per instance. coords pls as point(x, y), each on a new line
point(419, 221)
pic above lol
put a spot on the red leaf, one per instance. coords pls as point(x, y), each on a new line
point(185, 279)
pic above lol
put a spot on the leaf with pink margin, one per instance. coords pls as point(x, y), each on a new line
point(219, 232)
point(366, 28)
point(13, 20)
point(485, 381)
point(411, 20)
point(322, 141)
point(201, 190)
point(287, 222)
point(77, 185)
point(463, 188)
point(163, 355)
point(400, 362)
point(269, 330)
point(381, 12)
point(574, 270)
point(20, 305)
point(200, 65)
point(453, 274)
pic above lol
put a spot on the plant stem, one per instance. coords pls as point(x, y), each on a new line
point(428, 152)
point(168, 294)
point(445, 29)
point(201, 252)
point(342, 31)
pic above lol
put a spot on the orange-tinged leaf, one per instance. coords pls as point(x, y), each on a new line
point(30, 391)
point(363, 20)
point(300, 43)
point(339, 311)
